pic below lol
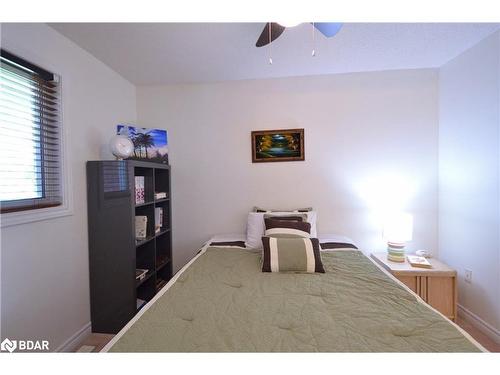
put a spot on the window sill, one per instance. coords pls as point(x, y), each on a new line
point(30, 216)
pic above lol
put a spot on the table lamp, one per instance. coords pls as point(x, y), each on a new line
point(398, 229)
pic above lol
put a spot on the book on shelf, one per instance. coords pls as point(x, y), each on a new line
point(140, 273)
point(160, 195)
point(158, 219)
point(140, 303)
point(139, 190)
point(417, 261)
point(141, 227)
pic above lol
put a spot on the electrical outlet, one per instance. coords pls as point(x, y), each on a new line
point(468, 276)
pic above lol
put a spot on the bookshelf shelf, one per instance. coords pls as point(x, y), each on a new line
point(162, 232)
point(162, 263)
point(114, 252)
point(161, 200)
point(145, 241)
point(138, 283)
point(144, 204)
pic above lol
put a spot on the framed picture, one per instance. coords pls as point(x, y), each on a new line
point(149, 144)
point(277, 145)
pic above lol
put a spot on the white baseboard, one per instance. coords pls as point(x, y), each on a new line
point(74, 341)
point(479, 323)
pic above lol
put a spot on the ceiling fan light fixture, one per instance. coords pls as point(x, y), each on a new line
point(288, 23)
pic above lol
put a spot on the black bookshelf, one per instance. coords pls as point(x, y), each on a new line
point(114, 251)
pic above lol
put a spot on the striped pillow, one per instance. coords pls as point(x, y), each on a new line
point(291, 254)
point(291, 217)
point(287, 228)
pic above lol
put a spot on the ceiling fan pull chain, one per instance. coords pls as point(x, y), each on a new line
point(313, 53)
point(270, 58)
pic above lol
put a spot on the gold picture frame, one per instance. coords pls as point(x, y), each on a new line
point(278, 145)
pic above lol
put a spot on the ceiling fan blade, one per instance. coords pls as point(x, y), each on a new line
point(276, 31)
point(328, 29)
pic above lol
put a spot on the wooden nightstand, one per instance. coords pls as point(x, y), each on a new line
point(437, 285)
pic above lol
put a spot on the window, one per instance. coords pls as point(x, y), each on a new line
point(30, 165)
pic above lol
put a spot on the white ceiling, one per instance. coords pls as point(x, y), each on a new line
point(163, 53)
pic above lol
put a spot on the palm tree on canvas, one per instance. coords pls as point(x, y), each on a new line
point(149, 144)
point(145, 140)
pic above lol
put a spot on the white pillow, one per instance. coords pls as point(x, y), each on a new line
point(256, 227)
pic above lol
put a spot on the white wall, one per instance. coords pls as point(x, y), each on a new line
point(370, 140)
point(469, 167)
point(45, 286)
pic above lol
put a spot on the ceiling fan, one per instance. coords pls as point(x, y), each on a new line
point(272, 30)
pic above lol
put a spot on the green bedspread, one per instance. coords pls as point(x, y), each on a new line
point(224, 303)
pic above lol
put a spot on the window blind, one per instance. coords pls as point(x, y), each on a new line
point(30, 125)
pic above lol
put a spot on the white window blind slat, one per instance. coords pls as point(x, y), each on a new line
point(30, 173)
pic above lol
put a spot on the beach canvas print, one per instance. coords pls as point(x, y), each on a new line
point(149, 144)
point(277, 145)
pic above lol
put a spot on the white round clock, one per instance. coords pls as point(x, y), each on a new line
point(121, 146)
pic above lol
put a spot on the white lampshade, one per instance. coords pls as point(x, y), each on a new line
point(398, 227)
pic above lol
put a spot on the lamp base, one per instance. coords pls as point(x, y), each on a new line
point(396, 251)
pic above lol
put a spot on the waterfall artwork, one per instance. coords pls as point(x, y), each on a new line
point(149, 144)
point(277, 145)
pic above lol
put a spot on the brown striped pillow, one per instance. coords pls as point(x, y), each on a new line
point(291, 254)
point(286, 228)
point(291, 217)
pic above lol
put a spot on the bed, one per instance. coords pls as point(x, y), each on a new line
point(222, 302)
